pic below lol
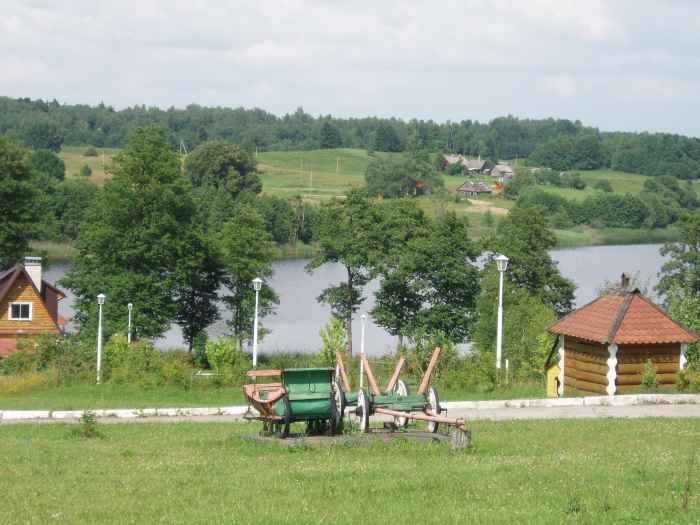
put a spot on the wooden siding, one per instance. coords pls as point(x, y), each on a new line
point(631, 361)
point(585, 366)
point(42, 321)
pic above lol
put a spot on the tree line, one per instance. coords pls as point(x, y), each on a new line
point(556, 143)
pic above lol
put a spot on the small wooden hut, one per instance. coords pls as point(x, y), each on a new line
point(604, 345)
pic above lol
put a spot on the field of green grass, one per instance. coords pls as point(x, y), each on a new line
point(567, 471)
point(586, 236)
point(621, 182)
point(75, 159)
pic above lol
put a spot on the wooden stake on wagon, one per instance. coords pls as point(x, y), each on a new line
point(395, 376)
point(343, 373)
point(429, 371)
point(370, 377)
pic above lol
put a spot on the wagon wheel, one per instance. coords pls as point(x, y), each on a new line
point(434, 402)
point(339, 403)
point(287, 416)
point(401, 389)
point(363, 411)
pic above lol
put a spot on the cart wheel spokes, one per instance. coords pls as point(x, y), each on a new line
point(434, 403)
point(340, 403)
point(401, 389)
point(363, 411)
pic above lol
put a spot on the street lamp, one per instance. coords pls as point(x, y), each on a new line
point(363, 318)
point(130, 306)
point(501, 264)
point(100, 301)
point(257, 285)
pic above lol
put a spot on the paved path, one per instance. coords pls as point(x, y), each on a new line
point(455, 409)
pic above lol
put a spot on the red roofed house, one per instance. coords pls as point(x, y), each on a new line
point(604, 345)
point(28, 305)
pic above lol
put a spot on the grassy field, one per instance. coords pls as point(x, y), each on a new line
point(570, 471)
point(586, 236)
point(621, 182)
point(74, 158)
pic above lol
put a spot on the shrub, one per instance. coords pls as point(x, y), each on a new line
point(334, 340)
point(689, 380)
point(649, 381)
point(22, 361)
point(226, 357)
point(25, 382)
point(603, 185)
point(90, 152)
point(85, 171)
point(418, 355)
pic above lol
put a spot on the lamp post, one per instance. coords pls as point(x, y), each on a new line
point(130, 307)
point(501, 264)
point(257, 285)
point(363, 318)
point(100, 301)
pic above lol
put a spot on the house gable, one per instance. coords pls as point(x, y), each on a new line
point(21, 290)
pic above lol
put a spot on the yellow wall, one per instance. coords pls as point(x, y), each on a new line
point(552, 376)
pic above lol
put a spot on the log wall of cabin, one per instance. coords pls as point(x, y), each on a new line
point(585, 366)
point(41, 322)
point(631, 361)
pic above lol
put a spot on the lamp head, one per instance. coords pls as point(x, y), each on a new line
point(257, 284)
point(130, 306)
point(101, 299)
point(501, 263)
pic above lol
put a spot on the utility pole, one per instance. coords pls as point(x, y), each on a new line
point(337, 165)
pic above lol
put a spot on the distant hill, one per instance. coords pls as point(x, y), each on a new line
point(557, 143)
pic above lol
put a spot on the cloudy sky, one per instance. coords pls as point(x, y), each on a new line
point(620, 64)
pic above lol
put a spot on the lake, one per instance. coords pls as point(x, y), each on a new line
point(298, 318)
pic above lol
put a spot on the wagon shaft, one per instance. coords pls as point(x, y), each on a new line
point(458, 423)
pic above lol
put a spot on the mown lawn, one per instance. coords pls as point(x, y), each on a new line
point(569, 471)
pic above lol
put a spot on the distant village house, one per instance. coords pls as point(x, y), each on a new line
point(474, 189)
point(469, 165)
point(28, 305)
point(502, 172)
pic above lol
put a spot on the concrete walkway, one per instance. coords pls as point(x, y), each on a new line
point(630, 406)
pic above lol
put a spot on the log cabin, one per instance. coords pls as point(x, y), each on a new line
point(604, 345)
point(28, 305)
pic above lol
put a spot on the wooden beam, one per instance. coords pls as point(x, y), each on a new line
point(343, 372)
point(395, 376)
point(459, 423)
point(425, 381)
point(370, 376)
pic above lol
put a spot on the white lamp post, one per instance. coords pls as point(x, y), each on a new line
point(257, 285)
point(501, 264)
point(100, 301)
point(363, 318)
point(130, 306)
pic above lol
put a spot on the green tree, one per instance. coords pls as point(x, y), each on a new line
point(603, 185)
point(16, 203)
point(132, 246)
point(247, 251)
point(682, 270)
point(524, 237)
point(42, 133)
point(222, 165)
point(70, 205)
point(386, 138)
point(330, 136)
point(401, 177)
point(430, 282)
point(347, 235)
point(86, 171)
point(47, 163)
point(198, 275)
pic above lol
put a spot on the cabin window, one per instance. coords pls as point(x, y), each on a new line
point(20, 311)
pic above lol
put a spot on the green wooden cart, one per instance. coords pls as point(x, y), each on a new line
point(301, 394)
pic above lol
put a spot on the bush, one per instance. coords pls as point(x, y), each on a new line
point(649, 381)
point(334, 340)
point(227, 358)
point(85, 171)
point(603, 185)
point(25, 382)
point(90, 152)
point(689, 380)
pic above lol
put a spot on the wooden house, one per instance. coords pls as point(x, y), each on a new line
point(474, 189)
point(502, 172)
point(28, 305)
point(603, 346)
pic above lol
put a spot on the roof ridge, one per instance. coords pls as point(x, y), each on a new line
point(572, 312)
point(619, 317)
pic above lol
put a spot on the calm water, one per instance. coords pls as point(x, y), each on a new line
point(298, 318)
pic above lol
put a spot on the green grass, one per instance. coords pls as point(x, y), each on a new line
point(621, 182)
point(84, 396)
point(75, 160)
point(586, 236)
point(571, 471)
point(55, 251)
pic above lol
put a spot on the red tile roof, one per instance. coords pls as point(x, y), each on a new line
point(623, 319)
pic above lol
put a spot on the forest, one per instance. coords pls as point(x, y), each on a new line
point(559, 144)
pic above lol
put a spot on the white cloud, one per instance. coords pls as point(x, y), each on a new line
point(603, 62)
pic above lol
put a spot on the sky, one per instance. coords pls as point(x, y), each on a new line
point(618, 65)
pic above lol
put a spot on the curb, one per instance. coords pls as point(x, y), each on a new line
point(239, 410)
